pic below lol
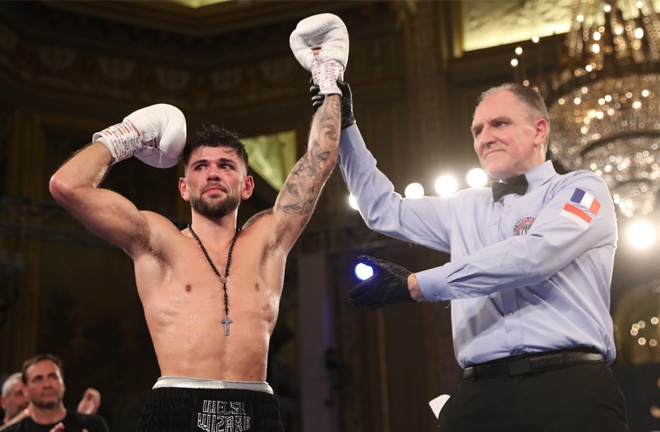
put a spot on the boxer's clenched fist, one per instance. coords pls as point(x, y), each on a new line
point(320, 44)
point(156, 135)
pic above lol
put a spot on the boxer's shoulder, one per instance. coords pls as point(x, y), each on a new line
point(258, 220)
point(158, 236)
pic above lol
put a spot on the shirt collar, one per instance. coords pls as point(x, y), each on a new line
point(540, 174)
point(523, 183)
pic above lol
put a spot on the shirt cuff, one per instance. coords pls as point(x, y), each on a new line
point(433, 284)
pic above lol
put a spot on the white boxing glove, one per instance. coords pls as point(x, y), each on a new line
point(156, 135)
point(320, 44)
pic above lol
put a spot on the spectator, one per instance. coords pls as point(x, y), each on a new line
point(43, 378)
point(14, 397)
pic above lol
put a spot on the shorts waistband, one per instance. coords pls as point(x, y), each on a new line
point(531, 363)
point(194, 383)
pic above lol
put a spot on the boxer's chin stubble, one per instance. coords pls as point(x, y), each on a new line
point(215, 208)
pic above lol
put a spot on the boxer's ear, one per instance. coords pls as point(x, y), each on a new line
point(248, 187)
point(183, 189)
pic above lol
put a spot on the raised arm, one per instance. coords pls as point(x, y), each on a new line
point(320, 43)
point(302, 188)
point(156, 136)
point(76, 187)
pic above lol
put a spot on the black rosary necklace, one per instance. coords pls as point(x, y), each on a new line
point(223, 280)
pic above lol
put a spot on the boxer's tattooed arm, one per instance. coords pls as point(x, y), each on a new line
point(303, 186)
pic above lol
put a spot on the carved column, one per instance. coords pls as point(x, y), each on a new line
point(319, 409)
point(25, 176)
point(431, 33)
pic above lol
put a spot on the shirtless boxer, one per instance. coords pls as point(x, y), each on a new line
point(211, 291)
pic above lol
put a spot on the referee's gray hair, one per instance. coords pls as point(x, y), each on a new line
point(9, 382)
point(530, 96)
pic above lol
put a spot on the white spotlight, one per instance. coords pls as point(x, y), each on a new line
point(414, 191)
point(641, 235)
point(477, 178)
point(363, 271)
point(446, 185)
point(352, 202)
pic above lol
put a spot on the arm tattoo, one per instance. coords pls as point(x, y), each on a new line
point(303, 186)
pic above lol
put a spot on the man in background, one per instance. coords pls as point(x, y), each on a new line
point(14, 397)
point(43, 379)
point(15, 402)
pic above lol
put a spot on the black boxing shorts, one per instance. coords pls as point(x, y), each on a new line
point(183, 404)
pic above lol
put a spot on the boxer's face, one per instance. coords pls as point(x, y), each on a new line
point(216, 181)
point(508, 137)
point(45, 386)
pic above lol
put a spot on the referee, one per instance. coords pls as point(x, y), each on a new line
point(529, 277)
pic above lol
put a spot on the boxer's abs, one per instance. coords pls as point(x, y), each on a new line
point(191, 340)
point(240, 356)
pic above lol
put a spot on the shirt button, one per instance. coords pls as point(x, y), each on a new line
point(510, 313)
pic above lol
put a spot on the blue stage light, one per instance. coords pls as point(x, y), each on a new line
point(363, 271)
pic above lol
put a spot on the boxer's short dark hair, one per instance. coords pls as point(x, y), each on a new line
point(213, 136)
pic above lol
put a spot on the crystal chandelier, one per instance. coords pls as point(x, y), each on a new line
point(604, 102)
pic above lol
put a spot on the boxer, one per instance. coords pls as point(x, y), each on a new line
point(211, 291)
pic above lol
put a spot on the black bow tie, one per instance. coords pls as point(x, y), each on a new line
point(513, 185)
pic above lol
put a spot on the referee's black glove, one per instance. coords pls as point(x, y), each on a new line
point(388, 285)
point(347, 116)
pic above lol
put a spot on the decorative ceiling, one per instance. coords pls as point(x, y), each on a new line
point(497, 22)
point(197, 18)
point(484, 23)
point(198, 3)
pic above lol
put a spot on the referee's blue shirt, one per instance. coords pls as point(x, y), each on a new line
point(527, 274)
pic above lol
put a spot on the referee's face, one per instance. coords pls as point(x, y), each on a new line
point(508, 136)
